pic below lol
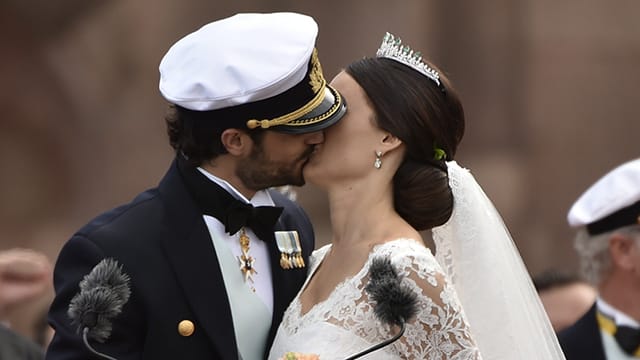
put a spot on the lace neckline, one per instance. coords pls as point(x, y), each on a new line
point(318, 258)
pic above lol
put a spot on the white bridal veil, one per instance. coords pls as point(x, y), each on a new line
point(502, 306)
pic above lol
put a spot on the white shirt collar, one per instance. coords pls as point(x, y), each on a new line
point(618, 316)
point(260, 198)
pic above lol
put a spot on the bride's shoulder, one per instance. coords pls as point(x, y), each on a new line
point(402, 246)
point(413, 260)
point(408, 254)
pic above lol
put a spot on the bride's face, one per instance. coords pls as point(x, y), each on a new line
point(348, 151)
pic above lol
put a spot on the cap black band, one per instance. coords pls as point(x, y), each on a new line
point(623, 217)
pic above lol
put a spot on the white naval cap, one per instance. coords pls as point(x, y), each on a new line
point(252, 70)
point(612, 202)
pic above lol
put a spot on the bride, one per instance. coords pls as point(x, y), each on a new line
point(388, 173)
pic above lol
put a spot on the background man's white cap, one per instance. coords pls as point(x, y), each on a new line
point(252, 71)
point(612, 202)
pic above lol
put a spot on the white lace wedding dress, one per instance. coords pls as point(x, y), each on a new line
point(344, 324)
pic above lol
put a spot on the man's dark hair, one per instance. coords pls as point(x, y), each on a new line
point(197, 135)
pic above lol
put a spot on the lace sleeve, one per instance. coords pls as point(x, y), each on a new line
point(440, 329)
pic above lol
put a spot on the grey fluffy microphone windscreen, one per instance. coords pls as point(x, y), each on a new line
point(103, 293)
point(394, 303)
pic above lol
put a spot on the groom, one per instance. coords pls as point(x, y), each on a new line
point(209, 259)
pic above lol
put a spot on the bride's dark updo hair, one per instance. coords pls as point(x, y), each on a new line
point(423, 115)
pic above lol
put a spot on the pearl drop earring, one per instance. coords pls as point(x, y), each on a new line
point(378, 163)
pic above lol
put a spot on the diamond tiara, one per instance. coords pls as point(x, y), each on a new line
point(392, 48)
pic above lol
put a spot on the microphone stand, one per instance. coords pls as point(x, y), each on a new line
point(380, 345)
point(85, 332)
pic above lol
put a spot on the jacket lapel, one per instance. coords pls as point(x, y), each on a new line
point(281, 284)
point(281, 290)
point(583, 340)
point(190, 251)
point(591, 328)
point(286, 283)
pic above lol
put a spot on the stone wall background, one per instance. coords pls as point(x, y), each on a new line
point(550, 89)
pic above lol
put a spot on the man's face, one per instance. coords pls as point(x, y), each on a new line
point(277, 159)
point(635, 254)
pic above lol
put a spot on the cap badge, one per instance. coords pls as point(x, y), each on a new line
point(316, 79)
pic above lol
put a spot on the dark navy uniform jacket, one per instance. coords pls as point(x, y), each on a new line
point(163, 244)
point(582, 340)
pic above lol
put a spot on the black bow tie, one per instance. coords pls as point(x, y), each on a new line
point(260, 219)
point(628, 338)
point(215, 201)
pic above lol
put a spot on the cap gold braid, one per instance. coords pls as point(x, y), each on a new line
point(318, 84)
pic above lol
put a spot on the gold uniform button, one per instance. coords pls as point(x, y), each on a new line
point(186, 328)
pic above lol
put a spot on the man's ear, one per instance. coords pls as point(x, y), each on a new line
point(621, 250)
point(236, 141)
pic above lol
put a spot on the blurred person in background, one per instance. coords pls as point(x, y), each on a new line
point(607, 218)
point(204, 265)
point(25, 275)
point(565, 297)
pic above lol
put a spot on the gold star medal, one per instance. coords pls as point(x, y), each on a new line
point(246, 261)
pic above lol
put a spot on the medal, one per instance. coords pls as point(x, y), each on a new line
point(290, 250)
